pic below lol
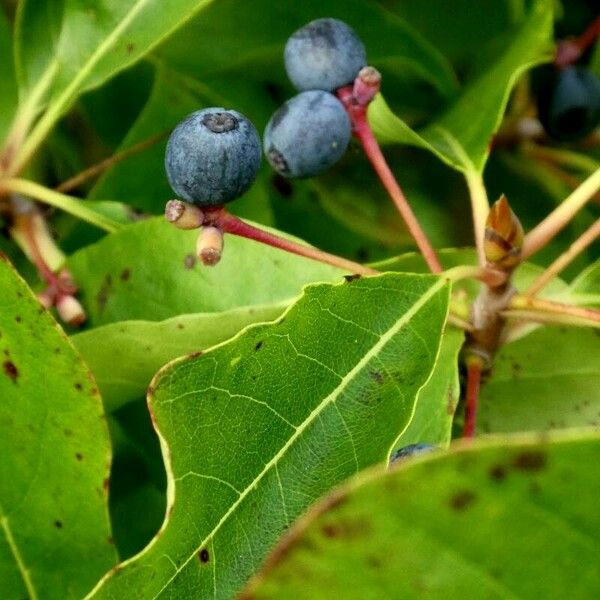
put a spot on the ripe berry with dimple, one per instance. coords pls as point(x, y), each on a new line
point(325, 54)
point(212, 156)
point(569, 103)
point(307, 135)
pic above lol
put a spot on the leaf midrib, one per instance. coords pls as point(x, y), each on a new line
point(10, 540)
point(383, 340)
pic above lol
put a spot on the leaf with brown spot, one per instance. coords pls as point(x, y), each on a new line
point(247, 432)
point(53, 526)
point(453, 528)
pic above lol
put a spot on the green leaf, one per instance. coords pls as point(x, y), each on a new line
point(509, 519)
point(91, 41)
point(458, 27)
point(546, 380)
point(585, 289)
point(54, 532)
point(434, 410)
point(148, 271)
point(461, 136)
point(265, 424)
point(225, 46)
point(8, 83)
point(124, 356)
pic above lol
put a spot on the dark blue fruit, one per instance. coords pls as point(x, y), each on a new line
point(411, 450)
point(307, 135)
point(212, 156)
point(326, 54)
point(569, 104)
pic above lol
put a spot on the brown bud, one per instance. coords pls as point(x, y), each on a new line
point(183, 214)
point(503, 236)
point(210, 245)
point(70, 310)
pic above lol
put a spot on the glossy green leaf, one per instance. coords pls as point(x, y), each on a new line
point(92, 41)
point(546, 380)
point(227, 46)
point(461, 136)
point(434, 410)
point(504, 519)
point(585, 289)
point(458, 27)
point(54, 532)
point(265, 424)
point(125, 355)
point(148, 271)
point(8, 82)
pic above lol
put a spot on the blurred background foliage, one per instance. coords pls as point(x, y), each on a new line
point(231, 54)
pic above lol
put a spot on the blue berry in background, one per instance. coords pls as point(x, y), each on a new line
point(212, 156)
point(569, 103)
point(411, 450)
point(326, 54)
point(307, 135)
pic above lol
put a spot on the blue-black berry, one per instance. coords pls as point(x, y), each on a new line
point(212, 156)
point(307, 135)
point(411, 450)
point(326, 54)
point(569, 103)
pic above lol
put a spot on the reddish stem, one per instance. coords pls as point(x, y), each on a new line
point(59, 285)
point(472, 398)
point(569, 51)
point(361, 129)
point(229, 223)
point(588, 37)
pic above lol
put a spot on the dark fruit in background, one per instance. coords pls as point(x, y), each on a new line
point(568, 102)
point(212, 156)
point(325, 54)
point(412, 450)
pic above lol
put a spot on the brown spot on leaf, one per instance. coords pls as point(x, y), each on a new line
point(125, 274)
point(106, 484)
point(10, 370)
point(195, 354)
point(180, 326)
point(189, 262)
point(497, 472)
point(78, 386)
point(18, 318)
point(78, 456)
point(130, 48)
point(258, 345)
point(203, 555)
point(58, 524)
point(351, 278)
point(462, 500)
point(102, 296)
point(377, 376)
point(347, 528)
point(530, 460)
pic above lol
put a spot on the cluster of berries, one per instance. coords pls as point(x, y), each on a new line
point(213, 156)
